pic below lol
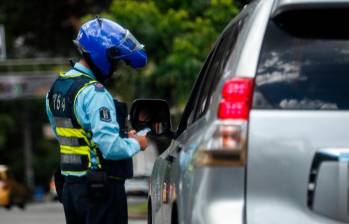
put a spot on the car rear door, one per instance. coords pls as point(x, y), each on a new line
point(298, 141)
point(166, 171)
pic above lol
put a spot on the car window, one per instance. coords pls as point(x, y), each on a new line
point(188, 114)
point(216, 68)
point(304, 65)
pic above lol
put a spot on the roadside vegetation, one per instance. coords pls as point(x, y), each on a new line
point(177, 36)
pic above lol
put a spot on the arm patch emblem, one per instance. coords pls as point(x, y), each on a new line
point(99, 87)
point(104, 114)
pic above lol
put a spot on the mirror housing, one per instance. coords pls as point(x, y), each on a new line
point(153, 114)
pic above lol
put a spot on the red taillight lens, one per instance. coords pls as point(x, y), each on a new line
point(226, 144)
point(237, 97)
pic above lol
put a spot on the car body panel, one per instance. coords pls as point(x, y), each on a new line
point(11, 192)
point(273, 187)
point(162, 186)
point(203, 195)
point(194, 188)
point(245, 59)
point(282, 146)
point(4, 194)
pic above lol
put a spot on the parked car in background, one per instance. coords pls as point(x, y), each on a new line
point(4, 188)
point(52, 193)
point(11, 192)
point(137, 186)
point(264, 135)
point(142, 167)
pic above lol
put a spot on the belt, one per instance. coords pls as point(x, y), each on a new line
point(75, 179)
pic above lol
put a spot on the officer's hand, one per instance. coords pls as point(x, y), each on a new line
point(142, 140)
point(132, 133)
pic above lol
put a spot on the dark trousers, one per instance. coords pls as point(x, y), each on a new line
point(80, 209)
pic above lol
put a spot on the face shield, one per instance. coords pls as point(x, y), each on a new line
point(128, 45)
point(129, 50)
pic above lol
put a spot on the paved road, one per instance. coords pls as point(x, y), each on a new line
point(43, 213)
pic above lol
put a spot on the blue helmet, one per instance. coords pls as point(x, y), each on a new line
point(103, 42)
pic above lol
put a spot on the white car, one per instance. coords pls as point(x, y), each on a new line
point(264, 137)
point(142, 167)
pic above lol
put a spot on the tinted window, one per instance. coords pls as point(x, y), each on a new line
point(304, 63)
point(216, 67)
point(188, 114)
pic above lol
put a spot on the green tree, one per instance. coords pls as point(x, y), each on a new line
point(178, 36)
point(6, 127)
point(44, 28)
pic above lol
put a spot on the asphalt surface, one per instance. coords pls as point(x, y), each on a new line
point(39, 213)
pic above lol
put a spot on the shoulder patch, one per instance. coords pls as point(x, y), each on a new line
point(104, 114)
point(99, 87)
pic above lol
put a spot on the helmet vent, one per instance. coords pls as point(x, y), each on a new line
point(99, 20)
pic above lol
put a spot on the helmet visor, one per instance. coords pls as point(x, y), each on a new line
point(128, 45)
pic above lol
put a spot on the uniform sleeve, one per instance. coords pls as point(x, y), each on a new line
point(95, 110)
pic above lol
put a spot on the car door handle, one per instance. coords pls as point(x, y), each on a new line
point(319, 158)
point(179, 148)
point(328, 183)
point(170, 158)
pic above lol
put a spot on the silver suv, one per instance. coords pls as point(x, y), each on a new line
point(264, 137)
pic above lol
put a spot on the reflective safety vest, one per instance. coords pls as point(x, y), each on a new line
point(78, 153)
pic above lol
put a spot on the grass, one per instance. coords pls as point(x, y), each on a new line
point(138, 210)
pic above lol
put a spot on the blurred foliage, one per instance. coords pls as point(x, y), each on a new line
point(177, 34)
point(7, 126)
point(44, 28)
point(13, 115)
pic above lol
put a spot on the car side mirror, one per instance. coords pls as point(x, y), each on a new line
point(153, 114)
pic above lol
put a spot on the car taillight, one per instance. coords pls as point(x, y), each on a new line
point(236, 99)
point(226, 143)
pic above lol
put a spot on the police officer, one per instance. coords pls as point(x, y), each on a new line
point(83, 116)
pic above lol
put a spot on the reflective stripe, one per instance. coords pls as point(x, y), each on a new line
point(75, 143)
point(68, 141)
point(116, 178)
point(71, 159)
point(71, 141)
point(75, 133)
point(63, 122)
point(74, 162)
point(62, 74)
point(74, 173)
point(79, 150)
point(71, 132)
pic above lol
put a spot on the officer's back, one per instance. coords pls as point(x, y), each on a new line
point(94, 155)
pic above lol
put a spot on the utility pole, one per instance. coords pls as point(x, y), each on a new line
point(28, 152)
point(2, 43)
point(21, 88)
